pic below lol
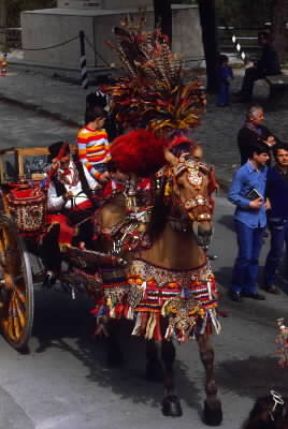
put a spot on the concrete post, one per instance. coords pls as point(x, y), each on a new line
point(83, 61)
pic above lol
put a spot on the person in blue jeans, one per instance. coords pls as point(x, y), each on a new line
point(247, 193)
point(277, 194)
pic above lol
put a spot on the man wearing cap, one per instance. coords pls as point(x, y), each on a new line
point(69, 201)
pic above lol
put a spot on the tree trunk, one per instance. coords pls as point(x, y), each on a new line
point(3, 24)
point(163, 17)
point(209, 36)
point(279, 30)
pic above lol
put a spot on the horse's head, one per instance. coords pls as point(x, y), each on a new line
point(191, 182)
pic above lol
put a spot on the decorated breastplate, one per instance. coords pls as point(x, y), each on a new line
point(130, 235)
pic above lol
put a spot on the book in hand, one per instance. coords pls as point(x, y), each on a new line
point(253, 194)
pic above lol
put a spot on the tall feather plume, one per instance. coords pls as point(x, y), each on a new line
point(153, 95)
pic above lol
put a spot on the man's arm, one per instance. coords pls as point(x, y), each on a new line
point(234, 194)
point(54, 203)
point(246, 138)
point(269, 136)
point(92, 183)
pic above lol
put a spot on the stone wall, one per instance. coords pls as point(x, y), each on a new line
point(79, 4)
point(49, 27)
point(103, 4)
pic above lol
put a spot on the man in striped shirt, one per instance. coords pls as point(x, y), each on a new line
point(93, 145)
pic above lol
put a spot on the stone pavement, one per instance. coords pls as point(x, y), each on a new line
point(64, 102)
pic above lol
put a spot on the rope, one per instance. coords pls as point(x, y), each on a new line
point(51, 46)
point(97, 53)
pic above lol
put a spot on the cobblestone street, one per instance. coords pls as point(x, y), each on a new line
point(52, 109)
point(63, 382)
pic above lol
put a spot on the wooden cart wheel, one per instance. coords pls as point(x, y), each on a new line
point(16, 286)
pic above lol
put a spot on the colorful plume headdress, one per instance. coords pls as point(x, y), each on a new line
point(153, 95)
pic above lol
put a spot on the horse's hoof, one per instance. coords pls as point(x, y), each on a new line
point(154, 372)
point(171, 406)
point(212, 413)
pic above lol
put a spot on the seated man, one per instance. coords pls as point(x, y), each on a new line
point(267, 65)
point(69, 202)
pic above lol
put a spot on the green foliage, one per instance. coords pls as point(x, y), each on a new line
point(15, 7)
point(244, 13)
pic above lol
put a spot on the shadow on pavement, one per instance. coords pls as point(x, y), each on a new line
point(58, 319)
point(227, 221)
point(249, 377)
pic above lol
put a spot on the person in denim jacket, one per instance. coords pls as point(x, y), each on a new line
point(277, 193)
point(247, 193)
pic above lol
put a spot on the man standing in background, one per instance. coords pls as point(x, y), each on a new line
point(277, 193)
point(247, 193)
point(254, 132)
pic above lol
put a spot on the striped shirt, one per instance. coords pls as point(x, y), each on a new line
point(93, 149)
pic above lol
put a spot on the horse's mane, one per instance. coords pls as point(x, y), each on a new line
point(159, 216)
point(141, 152)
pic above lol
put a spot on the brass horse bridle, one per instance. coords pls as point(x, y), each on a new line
point(196, 169)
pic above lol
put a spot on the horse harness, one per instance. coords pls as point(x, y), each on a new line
point(195, 171)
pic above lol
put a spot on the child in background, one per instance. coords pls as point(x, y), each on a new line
point(225, 75)
point(93, 145)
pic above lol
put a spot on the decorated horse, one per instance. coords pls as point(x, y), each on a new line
point(167, 287)
point(161, 222)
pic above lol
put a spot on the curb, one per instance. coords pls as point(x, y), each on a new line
point(224, 184)
point(40, 110)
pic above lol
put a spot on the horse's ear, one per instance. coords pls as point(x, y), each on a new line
point(170, 158)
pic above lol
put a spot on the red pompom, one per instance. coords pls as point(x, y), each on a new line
point(140, 152)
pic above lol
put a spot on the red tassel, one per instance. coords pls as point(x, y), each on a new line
point(119, 311)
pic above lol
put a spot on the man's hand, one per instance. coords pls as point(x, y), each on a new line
point(256, 204)
point(270, 141)
point(68, 196)
point(105, 177)
point(267, 205)
point(55, 164)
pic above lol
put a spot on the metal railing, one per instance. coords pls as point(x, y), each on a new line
point(10, 38)
point(241, 42)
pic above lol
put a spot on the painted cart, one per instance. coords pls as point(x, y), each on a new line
point(22, 224)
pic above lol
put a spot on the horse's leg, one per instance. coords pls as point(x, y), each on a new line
point(154, 369)
point(170, 405)
point(114, 353)
point(212, 414)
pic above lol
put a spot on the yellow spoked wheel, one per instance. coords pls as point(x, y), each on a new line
point(16, 286)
